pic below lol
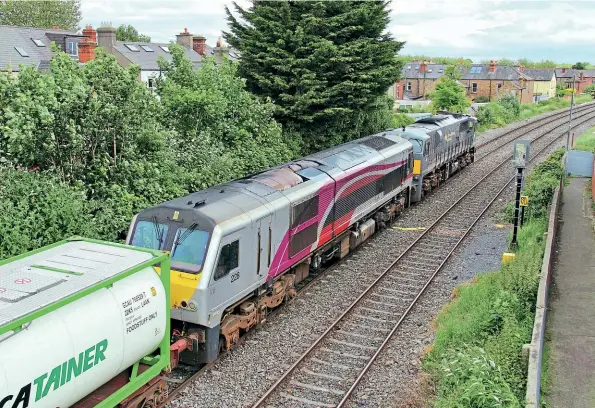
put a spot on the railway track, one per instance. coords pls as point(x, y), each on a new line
point(327, 373)
point(186, 375)
point(504, 138)
point(541, 122)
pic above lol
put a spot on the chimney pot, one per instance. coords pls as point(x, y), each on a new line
point(55, 27)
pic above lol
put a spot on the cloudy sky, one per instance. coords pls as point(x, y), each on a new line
point(478, 29)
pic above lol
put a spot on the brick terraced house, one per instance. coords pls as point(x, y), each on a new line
point(577, 78)
point(419, 80)
point(492, 80)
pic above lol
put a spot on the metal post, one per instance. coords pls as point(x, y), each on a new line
point(570, 118)
point(522, 216)
point(517, 202)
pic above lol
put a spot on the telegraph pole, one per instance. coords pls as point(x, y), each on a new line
point(570, 117)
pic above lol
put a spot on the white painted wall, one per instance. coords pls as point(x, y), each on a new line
point(145, 75)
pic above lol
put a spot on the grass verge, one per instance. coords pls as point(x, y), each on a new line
point(586, 141)
point(476, 359)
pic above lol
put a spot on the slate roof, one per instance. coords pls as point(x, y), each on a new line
point(13, 36)
point(568, 74)
point(433, 71)
point(502, 73)
point(588, 73)
point(147, 60)
point(539, 74)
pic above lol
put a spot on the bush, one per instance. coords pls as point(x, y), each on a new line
point(482, 99)
point(511, 106)
point(38, 209)
point(402, 119)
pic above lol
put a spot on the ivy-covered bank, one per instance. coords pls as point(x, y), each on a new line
point(476, 359)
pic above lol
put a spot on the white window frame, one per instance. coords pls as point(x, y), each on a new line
point(408, 86)
point(474, 85)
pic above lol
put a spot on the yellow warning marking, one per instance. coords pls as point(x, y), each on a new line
point(410, 228)
point(524, 201)
point(507, 257)
point(500, 226)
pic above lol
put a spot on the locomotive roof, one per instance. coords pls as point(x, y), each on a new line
point(434, 122)
point(238, 197)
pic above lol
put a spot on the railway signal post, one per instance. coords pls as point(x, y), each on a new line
point(520, 159)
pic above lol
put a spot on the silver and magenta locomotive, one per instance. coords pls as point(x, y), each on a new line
point(238, 249)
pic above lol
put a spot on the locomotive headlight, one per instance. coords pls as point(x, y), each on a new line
point(192, 305)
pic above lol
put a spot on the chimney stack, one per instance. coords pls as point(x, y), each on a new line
point(87, 45)
point(199, 44)
point(582, 76)
point(423, 67)
point(106, 38)
point(221, 51)
point(184, 39)
point(492, 66)
point(55, 27)
point(563, 70)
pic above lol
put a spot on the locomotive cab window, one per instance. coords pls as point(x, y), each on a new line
point(189, 249)
point(427, 148)
point(149, 234)
point(228, 259)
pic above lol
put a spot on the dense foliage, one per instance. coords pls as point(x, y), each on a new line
point(96, 132)
point(217, 122)
point(129, 33)
point(65, 14)
point(326, 66)
point(476, 359)
point(449, 94)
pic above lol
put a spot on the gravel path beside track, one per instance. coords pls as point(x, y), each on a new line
point(240, 377)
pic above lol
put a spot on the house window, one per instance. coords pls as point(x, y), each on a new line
point(150, 83)
point(474, 87)
point(72, 46)
point(228, 259)
point(498, 88)
point(146, 48)
point(37, 42)
point(408, 86)
point(164, 48)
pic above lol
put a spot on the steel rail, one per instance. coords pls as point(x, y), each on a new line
point(356, 302)
point(589, 109)
point(560, 115)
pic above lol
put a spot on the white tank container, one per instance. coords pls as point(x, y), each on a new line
point(65, 355)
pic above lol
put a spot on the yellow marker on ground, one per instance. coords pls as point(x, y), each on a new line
point(507, 257)
point(500, 226)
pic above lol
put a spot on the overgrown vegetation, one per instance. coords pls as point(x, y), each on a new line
point(504, 110)
point(101, 146)
point(476, 358)
point(586, 141)
point(449, 95)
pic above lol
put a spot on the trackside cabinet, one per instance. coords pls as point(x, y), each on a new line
point(83, 323)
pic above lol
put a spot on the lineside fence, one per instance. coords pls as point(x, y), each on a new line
point(535, 349)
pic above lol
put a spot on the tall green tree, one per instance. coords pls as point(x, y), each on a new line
point(41, 13)
point(449, 94)
point(129, 33)
point(325, 65)
point(580, 65)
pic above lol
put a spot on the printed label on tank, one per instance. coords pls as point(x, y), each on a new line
point(133, 311)
point(56, 378)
